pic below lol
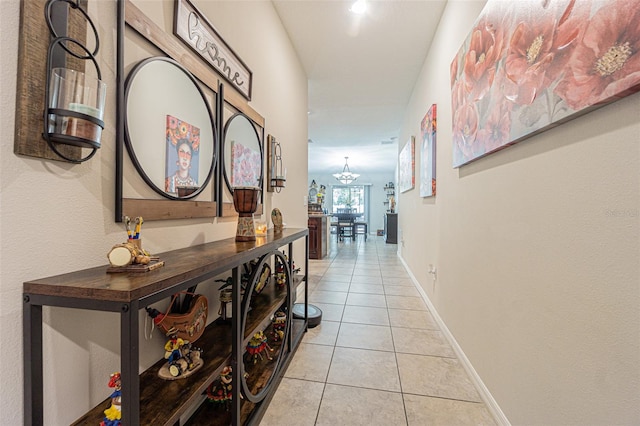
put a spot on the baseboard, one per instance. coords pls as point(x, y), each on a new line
point(485, 395)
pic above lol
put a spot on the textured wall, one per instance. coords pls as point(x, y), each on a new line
point(58, 217)
point(537, 250)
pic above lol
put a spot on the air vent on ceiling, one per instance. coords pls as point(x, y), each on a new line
point(387, 142)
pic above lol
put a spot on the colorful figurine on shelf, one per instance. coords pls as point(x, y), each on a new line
point(279, 324)
point(258, 344)
point(182, 358)
point(220, 391)
point(172, 348)
point(113, 414)
point(321, 194)
point(280, 274)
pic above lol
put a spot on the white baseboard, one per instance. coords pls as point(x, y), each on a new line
point(485, 395)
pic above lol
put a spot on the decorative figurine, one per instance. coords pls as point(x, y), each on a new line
point(113, 414)
point(279, 324)
point(182, 359)
point(276, 218)
point(220, 391)
point(280, 275)
point(258, 344)
point(321, 194)
point(130, 256)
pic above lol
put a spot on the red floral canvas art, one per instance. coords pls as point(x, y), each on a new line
point(530, 65)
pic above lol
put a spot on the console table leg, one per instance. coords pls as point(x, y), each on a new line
point(129, 342)
point(236, 346)
point(33, 372)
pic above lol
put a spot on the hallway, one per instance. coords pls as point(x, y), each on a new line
point(378, 357)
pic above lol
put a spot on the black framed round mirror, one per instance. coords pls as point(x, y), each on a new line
point(242, 153)
point(169, 129)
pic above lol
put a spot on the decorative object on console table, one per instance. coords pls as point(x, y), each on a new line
point(182, 359)
point(130, 256)
point(279, 323)
point(74, 100)
point(221, 390)
point(257, 345)
point(189, 324)
point(276, 218)
point(245, 201)
point(113, 414)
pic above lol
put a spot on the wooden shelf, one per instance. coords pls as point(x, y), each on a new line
point(148, 399)
point(212, 414)
point(163, 402)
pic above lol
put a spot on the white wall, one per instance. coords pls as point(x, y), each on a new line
point(537, 253)
point(58, 218)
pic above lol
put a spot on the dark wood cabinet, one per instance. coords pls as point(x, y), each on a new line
point(147, 399)
point(318, 226)
point(391, 228)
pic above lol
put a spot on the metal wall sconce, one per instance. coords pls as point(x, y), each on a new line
point(276, 176)
point(74, 101)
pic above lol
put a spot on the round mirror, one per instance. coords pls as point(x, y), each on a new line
point(242, 153)
point(169, 129)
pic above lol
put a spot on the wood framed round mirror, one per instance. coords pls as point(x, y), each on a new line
point(169, 129)
point(243, 157)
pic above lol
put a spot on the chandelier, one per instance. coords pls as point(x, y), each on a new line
point(346, 177)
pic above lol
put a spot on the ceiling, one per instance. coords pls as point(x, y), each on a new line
point(361, 71)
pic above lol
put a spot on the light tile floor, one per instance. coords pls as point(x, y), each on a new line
point(378, 357)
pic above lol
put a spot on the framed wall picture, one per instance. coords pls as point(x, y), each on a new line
point(530, 65)
point(428, 154)
point(182, 157)
point(406, 166)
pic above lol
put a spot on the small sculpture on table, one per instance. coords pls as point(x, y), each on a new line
point(276, 218)
point(221, 391)
point(113, 414)
point(182, 359)
point(257, 345)
point(279, 323)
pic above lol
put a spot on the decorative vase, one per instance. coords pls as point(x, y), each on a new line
point(245, 201)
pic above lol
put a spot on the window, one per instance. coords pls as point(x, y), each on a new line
point(348, 197)
point(355, 197)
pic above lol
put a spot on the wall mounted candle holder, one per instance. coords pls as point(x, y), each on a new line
point(74, 101)
point(276, 174)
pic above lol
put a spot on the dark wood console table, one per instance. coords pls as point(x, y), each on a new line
point(127, 293)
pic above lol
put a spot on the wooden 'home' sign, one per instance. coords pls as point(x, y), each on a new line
point(197, 32)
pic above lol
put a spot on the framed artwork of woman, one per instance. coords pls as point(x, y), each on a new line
point(182, 159)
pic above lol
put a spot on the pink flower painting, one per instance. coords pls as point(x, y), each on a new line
point(428, 128)
point(245, 166)
point(529, 65)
